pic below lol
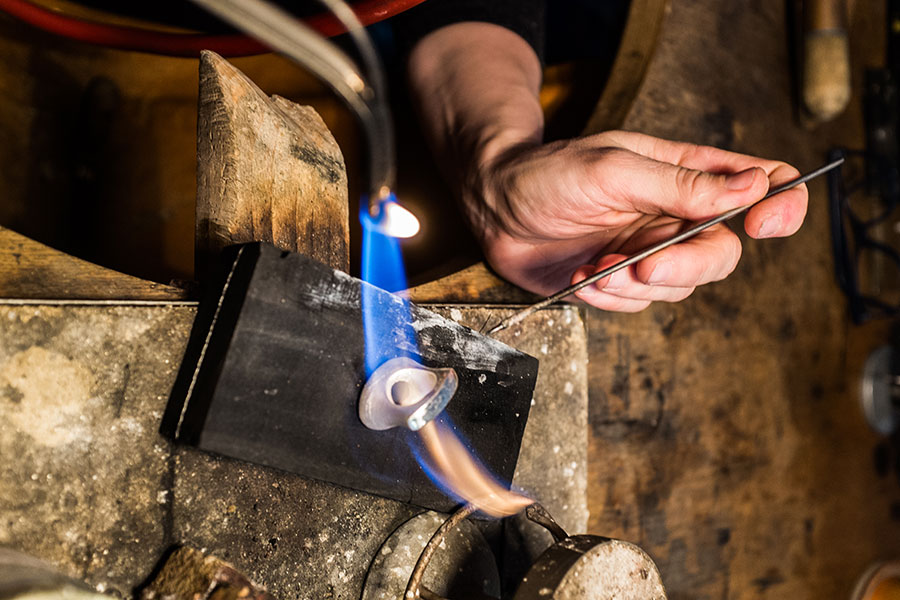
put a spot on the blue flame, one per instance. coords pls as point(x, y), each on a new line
point(387, 323)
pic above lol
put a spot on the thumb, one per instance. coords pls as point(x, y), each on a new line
point(664, 188)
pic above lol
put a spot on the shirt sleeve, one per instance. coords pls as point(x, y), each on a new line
point(524, 17)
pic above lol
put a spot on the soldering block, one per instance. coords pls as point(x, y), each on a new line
point(275, 365)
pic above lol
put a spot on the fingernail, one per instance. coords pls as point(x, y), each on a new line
point(737, 182)
point(660, 273)
point(769, 227)
point(615, 282)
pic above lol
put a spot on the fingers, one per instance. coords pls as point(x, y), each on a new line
point(696, 178)
point(693, 156)
point(779, 216)
point(640, 184)
point(710, 256)
point(623, 291)
point(670, 275)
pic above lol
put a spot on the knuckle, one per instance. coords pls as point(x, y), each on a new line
point(688, 183)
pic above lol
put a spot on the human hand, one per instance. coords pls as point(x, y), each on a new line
point(551, 215)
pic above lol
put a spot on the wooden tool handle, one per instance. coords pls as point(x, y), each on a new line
point(826, 58)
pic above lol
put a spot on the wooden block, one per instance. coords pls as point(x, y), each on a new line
point(268, 170)
point(275, 367)
point(30, 270)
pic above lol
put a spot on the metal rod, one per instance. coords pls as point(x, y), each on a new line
point(418, 572)
point(536, 513)
point(680, 237)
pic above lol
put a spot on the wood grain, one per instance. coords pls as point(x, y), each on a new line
point(474, 284)
point(268, 170)
point(636, 50)
point(726, 434)
point(30, 270)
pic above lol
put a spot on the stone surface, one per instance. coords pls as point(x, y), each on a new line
point(552, 465)
point(93, 488)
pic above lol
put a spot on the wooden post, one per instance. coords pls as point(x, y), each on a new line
point(268, 170)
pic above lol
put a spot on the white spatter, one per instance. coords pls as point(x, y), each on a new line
point(456, 314)
point(162, 496)
point(569, 388)
point(544, 348)
point(482, 378)
point(573, 366)
point(556, 449)
point(271, 392)
point(550, 322)
point(480, 353)
point(48, 395)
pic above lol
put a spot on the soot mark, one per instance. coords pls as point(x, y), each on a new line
point(330, 168)
point(772, 578)
point(720, 124)
point(809, 525)
point(120, 394)
point(817, 391)
point(13, 394)
point(728, 311)
point(881, 458)
point(787, 331)
point(723, 536)
point(895, 511)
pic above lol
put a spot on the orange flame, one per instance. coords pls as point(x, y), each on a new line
point(460, 472)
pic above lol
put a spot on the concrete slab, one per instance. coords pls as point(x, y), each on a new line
point(89, 484)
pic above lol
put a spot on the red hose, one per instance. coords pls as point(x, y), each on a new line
point(183, 44)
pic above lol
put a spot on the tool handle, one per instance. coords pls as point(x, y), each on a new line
point(826, 58)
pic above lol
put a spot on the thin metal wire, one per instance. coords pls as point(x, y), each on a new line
point(418, 572)
point(521, 315)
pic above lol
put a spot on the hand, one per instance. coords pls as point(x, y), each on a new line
point(551, 215)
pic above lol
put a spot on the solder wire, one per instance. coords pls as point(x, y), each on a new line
point(284, 33)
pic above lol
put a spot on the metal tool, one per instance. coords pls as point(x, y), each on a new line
point(684, 235)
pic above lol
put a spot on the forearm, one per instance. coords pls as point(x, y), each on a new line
point(476, 86)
